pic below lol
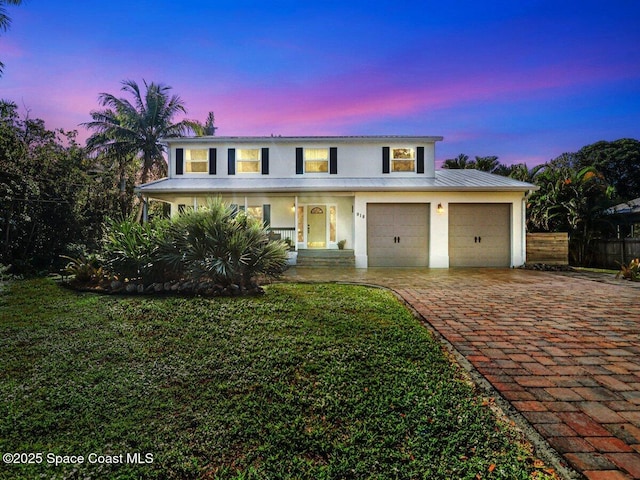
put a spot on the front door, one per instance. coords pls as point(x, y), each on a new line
point(317, 226)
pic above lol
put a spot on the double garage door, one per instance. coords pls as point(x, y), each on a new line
point(479, 235)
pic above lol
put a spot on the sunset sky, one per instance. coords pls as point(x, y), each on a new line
point(523, 80)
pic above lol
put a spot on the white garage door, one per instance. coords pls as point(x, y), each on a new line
point(398, 235)
point(480, 235)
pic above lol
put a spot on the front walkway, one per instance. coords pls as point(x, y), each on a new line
point(563, 350)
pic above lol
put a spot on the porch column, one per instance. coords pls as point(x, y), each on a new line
point(295, 222)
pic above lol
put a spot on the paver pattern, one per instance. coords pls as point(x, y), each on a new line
point(564, 351)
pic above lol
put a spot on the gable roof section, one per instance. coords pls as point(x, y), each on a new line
point(444, 181)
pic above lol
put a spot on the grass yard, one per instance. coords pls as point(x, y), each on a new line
point(306, 382)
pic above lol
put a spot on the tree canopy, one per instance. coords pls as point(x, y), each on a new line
point(52, 196)
point(5, 20)
point(134, 127)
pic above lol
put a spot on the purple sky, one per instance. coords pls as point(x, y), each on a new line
point(525, 81)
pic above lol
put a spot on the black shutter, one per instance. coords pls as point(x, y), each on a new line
point(231, 163)
point(179, 161)
point(420, 166)
point(266, 214)
point(265, 161)
point(333, 160)
point(299, 162)
point(385, 160)
point(213, 160)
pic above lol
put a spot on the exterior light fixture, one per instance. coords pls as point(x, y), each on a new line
point(440, 208)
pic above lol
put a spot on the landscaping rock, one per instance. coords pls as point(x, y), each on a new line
point(544, 267)
point(186, 287)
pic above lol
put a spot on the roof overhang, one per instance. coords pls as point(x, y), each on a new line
point(444, 181)
point(306, 140)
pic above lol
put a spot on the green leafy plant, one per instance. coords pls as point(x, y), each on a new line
point(5, 275)
point(84, 269)
point(630, 271)
point(216, 243)
point(289, 243)
point(130, 249)
point(341, 244)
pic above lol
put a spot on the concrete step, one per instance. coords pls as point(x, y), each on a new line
point(325, 258)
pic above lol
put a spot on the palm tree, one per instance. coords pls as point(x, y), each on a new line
point(520, 171)
point(460, 162)
point(136, 127)
point(5, 21)
point(486, 164)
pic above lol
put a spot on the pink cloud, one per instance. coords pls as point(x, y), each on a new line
point(353, 98)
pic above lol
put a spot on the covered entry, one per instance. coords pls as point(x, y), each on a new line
point(480, 234)
point(397, 235)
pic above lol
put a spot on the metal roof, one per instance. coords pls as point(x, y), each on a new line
point(626, 208)
point(306, 139)
point(445, 180)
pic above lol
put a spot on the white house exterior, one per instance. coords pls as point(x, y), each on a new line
point(382, 194)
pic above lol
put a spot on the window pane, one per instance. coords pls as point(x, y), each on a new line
point(197, 154)
point(197, 167)
point(300, 224)
point(316, 154)
point(316, 166)
point(332, 224)
point(403, 166)
point(248, 154)
point(403, 154)
point(248, 167)
point(255, 212)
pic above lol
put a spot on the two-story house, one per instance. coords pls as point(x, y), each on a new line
point(381, 194)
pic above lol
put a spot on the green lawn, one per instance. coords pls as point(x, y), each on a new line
point(306, 382)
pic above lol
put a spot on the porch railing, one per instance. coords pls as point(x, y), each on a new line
point(283, 233)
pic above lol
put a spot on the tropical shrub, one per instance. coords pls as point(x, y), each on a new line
point(217, 244)
point(631, 271)
point(6, 275)
point(84, 269)
point(130, 249)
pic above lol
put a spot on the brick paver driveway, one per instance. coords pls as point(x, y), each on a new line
point(564, 351)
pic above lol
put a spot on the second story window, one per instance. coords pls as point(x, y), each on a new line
point(196, 160)
point(316, 160)
point(248, 160)
point(403, 159)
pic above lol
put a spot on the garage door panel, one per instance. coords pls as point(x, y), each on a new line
point(480, 235)
point(397, 235)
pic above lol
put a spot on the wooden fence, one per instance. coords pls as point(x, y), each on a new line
point(549, 248)
point(611, 253)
